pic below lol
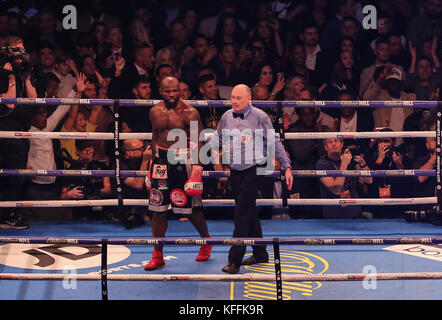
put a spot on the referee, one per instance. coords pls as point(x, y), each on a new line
point(247, 124)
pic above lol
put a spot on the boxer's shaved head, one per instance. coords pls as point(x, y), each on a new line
point(170, 91)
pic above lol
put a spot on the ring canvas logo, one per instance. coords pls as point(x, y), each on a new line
point(57, 257)
point(295, 262)
point(419, 250)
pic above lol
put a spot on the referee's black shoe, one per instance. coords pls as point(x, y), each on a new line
point(231, 268)
point(254, 260)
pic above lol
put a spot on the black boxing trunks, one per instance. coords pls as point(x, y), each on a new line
point(167, 182)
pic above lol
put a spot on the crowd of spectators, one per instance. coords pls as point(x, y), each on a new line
point(283, 50)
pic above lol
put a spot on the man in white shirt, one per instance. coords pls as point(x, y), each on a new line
point(41, 153)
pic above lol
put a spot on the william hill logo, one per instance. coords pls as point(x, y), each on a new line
point(292, 262)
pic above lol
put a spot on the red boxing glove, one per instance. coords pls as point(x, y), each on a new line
point(194, 186)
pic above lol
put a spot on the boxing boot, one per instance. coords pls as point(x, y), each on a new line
point(204, 253)
point(156, 262)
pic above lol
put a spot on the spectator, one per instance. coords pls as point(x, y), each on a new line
point(292, 92)
point(163, 56)
point(310, 93)
point(138, 118)
point(316, 59)
point(139, 33)
point(208, 25)
point(62, 70)
point(228, 30)
point(190, 18)
point(382, 53)
point(209, 91)
point(398, 53)
point(250, 57)
point(425, 186)
point(46, 55)
point(179, 40)
point(340, 82)
point(203, 57)
point(117, 47)
point(352, 119)
point(88, 66)
point(304, 153)
point(266, 78)
point(268, 32)
point(185, 92)
point(296, 64)
point(426, 26)
point(431, 47)
point(91, 188)
point(46, 32)
point(340, 187)
point(80, 119)
point(100, 33)
point(226, 66)
point(385, 28)
point(352, 28)
point(162, 71)
point(153, 21)
point(96, 12)
point(332, 29)
point(387, 155)
point(119, 86)
point(136, 156)
point(52, 84)
point(424, 78)
point(41, 155)
point(422, 119)
point(392, 118)
point(85, 46)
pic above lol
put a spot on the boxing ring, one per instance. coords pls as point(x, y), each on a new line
point(309, 259)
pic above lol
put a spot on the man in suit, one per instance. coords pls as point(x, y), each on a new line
point(120, 84)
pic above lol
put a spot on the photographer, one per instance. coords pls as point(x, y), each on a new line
point(136, 156)
point(426, 186)
point(341, 187)
point(91, 188)
point(386, 155)
point(15, 79)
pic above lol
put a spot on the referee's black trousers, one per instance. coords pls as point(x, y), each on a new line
point(245, 186)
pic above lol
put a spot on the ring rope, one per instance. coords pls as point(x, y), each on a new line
point(229, 278)
point(225, 103)
point(148, 135)
point(221, 174)
point(222, 202)
point(327, 241)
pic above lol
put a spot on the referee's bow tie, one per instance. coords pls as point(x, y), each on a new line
point(236, 115)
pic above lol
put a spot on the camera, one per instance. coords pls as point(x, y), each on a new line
point(22, 68)
point(90, 189)
point(433, 216)
point(355, 150)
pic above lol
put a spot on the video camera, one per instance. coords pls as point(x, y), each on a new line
point(433, 216)
point(19, 60)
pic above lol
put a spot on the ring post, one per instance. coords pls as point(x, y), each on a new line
point(104, 295)
point(277, 260)
point(117, 152)
point(438, 155)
